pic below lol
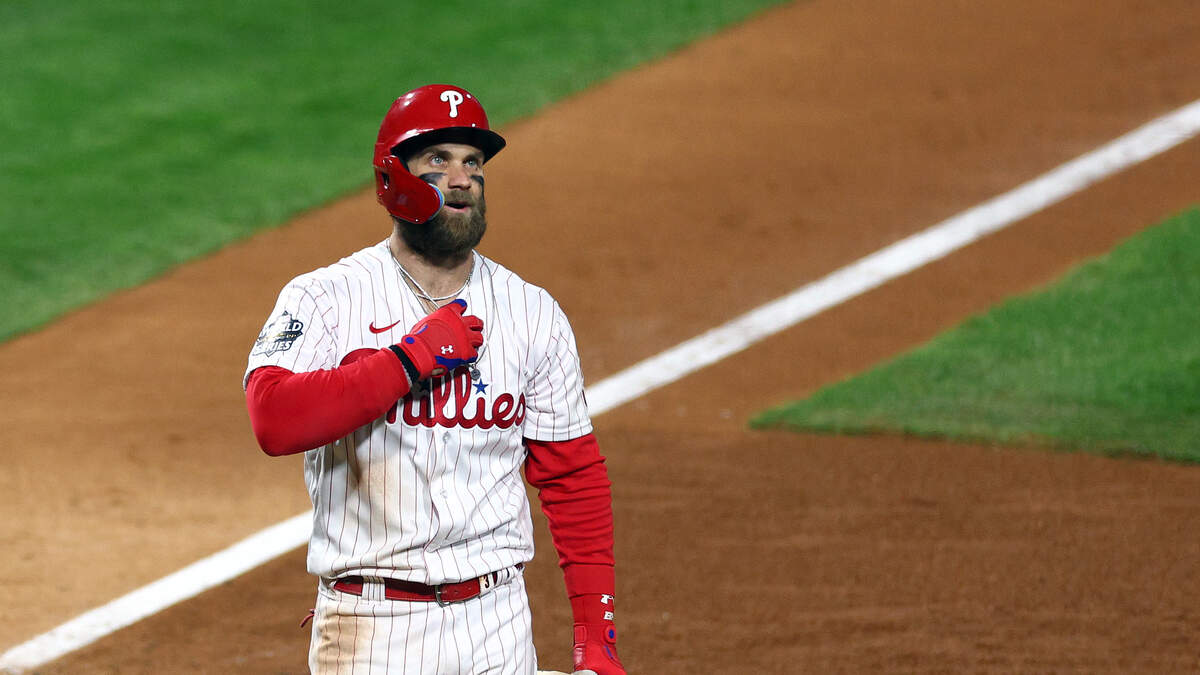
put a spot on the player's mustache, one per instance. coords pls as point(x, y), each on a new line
point(459, 197)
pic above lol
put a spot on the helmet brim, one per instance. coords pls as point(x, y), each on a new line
point(488, 141)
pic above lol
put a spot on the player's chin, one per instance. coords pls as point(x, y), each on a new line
point(464, 227)
point(466, 218)
point(458, 232)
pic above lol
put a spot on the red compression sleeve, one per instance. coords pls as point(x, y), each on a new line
point(576, 496)
point(294, 412)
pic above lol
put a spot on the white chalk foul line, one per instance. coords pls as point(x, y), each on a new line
point(896, 260)
point(152, 598)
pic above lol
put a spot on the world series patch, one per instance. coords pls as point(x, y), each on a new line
point(279, 335)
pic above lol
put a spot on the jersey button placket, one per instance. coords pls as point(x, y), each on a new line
point(437, 489)
point(446, 438)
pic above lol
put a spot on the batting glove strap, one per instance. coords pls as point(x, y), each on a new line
point(596, 649)
point(410, 368)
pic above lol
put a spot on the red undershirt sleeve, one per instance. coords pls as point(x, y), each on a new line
point(576, 496)
point(294, 412)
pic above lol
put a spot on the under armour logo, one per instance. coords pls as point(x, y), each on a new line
point(453, 98)
point(605, 598)
point(448, 349)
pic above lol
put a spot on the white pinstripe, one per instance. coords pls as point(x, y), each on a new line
point(437, 494)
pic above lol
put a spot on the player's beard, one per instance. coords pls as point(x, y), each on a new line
point(448, 234)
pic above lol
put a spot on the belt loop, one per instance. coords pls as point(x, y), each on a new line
point(373, 589)
point(510, 573)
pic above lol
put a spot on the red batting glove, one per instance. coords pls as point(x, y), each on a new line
point(440, 342)
point(595, 634)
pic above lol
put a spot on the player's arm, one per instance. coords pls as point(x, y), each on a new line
point(576, 496)
point(294, 412)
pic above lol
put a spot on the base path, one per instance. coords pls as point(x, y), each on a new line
point(663, 203)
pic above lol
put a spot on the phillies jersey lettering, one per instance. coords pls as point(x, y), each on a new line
point(458, 403)
point(432, 491)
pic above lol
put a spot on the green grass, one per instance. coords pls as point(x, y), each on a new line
point(1105, 360)
point(137, 135)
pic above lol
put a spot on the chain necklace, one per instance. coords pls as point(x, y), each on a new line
point(423, 295)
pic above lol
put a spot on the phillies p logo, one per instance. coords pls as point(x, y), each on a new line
point(453, 98)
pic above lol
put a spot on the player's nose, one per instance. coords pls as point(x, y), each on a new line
point(457, 177)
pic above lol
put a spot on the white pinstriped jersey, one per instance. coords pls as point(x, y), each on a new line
point(431, 491)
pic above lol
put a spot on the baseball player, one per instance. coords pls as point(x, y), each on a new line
point(418, 378)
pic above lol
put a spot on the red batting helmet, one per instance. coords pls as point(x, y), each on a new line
point(435, 113)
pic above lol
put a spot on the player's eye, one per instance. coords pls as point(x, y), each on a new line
point(436, 159)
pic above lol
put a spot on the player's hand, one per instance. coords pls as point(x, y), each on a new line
point(443, 341)
point(596, 637)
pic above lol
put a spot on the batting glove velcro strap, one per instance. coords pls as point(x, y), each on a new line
point(410, 368)
point(441, 342)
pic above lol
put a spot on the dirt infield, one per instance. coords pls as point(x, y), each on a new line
point(663, 203)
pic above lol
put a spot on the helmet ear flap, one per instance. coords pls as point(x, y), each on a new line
point(403, 194)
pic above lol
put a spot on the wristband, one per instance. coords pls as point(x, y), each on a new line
point(410, 369)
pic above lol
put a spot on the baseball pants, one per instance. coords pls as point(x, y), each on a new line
point(490, 634)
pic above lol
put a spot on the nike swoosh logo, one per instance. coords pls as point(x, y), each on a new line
point(371, 327)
